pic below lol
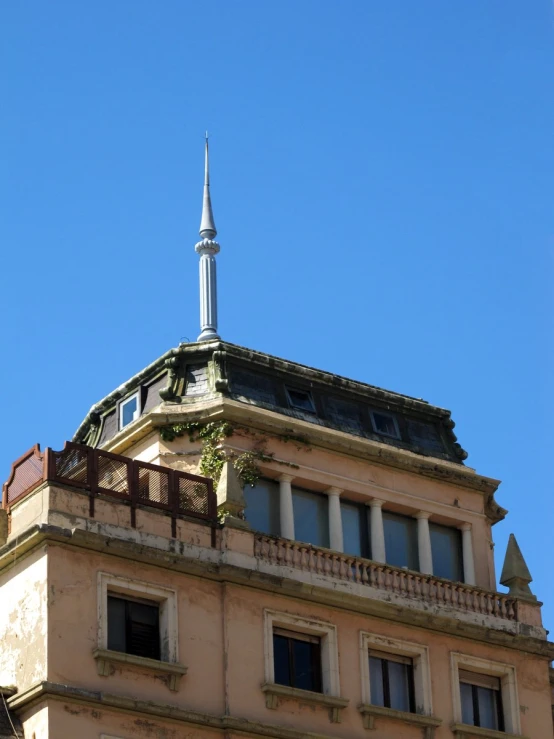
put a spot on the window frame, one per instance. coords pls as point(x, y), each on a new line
point(298, 636)
point(121, 405)
point(385, 658)
point(140, 590)
point(330, 681)
point(128, 621)
point(293, 405)
point(421, 674)
point(508, 688)
point(396, 435)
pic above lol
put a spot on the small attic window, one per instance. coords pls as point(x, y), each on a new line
point(129, 410)
point(300, 399)
point(384, 424)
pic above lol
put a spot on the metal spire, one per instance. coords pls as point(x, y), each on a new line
point(207, 224)
point(207, 248)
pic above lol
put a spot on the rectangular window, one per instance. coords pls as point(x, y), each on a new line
point(384, 424)
point(262, 507)
point(297, 660)
point(446, 548)
point(401, 540)
point(134, 626)
point(391, 678)
point(481, 699)
point(129, 410)
point(355, 529)
point(300, 399)
point(311, 517)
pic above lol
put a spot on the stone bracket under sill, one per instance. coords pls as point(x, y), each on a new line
point(427, 723)
point(107, 658)
point(274, 693)
point(466, 731)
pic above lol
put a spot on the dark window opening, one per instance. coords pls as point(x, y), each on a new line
point(297, 660)
point(446, 548)
point(384, 424)
point(401, 540)
point(391, 679)
point(481, 701)
point(134, 627)
point(300, 399)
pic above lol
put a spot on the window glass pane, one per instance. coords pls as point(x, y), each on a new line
point(129, 411)
point(262, 507)
point(376, 681)
point(301, 399)
point(143, 633)
point(399, 685)
point(466, 694)
point(307, 665)
point(446, 547)
point(488, 709)
point(281, 662)
point(401, 540)
point(353, 520)
point(116, 624)
point(311, 517)
point(384, 424)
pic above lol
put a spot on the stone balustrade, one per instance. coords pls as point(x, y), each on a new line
point(433, 590)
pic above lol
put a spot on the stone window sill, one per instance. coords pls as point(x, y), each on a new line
point(274, 693)
point(107, 658)
point(466, 731)
point(427, 723)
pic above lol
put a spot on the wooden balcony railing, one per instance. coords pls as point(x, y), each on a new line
point(384, 577)
point(101, 473)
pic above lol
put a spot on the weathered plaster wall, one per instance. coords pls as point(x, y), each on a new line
point(23, 621)
point(35, 722)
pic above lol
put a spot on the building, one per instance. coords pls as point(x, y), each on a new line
point(236, 545)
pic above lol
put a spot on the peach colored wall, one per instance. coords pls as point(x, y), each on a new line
point(205, 606)
point(23, 621)
point(35, 722)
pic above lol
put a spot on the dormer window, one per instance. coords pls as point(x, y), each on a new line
point(129, 410)
point(300, 399)
point(384, 424)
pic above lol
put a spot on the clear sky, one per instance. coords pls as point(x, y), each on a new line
point(382, 181)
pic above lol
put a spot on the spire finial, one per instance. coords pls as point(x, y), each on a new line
point(207, 224)
point(207, 248)
point(515, 573)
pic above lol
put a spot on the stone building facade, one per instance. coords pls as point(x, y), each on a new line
point(336, 578)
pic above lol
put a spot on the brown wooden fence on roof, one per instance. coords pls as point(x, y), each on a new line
point(102, 473)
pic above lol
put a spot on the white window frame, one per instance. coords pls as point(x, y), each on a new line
point(122, 405)
point(418, 653)
point(396, 435)
point(508, 687)
point(330, 681)
point(165, 597)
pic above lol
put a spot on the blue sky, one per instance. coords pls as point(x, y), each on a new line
point(382, 179)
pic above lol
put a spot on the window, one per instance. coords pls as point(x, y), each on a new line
point(395, 674)
point(355, 529)
point(311, 517)
point(262, 507)
point(391, 680)
point(484, 694)
point(401, 540)
point(297, 660)
point(446, 548)
point(481, 700)
point(134, 626)
point(384, 424)
point(129, 410)
point(300, 399)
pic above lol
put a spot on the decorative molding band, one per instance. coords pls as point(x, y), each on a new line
point(427, 723)
point(106, 659)
point(274, 693)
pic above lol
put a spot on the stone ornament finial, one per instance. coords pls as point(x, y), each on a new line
point(230, 497)
point(515, 573)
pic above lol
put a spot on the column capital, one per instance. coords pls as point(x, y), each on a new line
point(376, 503)
point(465, 526)
point(422, 515)
point(334, 491)
point(285, 478)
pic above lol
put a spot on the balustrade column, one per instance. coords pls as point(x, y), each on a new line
point(335, 520)
point(424, 543)
point(286, 513)
point(467, 553)
point(378, 553)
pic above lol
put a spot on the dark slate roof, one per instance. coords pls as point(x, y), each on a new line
point(212, 369)
point(8, 718)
